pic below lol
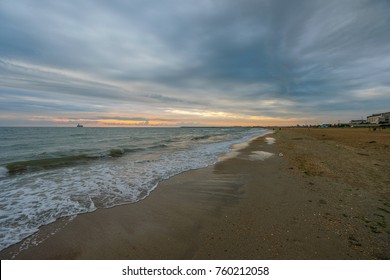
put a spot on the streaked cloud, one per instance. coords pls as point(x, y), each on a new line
point(175, 62)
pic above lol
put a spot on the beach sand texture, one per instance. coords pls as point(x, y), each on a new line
point(313, 194)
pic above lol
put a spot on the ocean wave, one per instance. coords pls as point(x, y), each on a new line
point(117, 152)
point(49, 161)
point(203, 137)
point(158, 146)
point(34, 165)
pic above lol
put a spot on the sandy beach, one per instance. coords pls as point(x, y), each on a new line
point(313, 194)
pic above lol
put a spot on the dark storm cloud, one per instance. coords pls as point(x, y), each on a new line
point(317, 57)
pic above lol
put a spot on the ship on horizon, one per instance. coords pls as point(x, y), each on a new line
point(79, 125)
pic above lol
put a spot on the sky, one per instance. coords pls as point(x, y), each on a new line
point(193, 63)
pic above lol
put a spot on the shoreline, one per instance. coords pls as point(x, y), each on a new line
point(281, 207)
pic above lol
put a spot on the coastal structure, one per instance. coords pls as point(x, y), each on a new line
point(379, 118)
point(355, 122)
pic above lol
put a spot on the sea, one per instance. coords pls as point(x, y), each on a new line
point(51, 172)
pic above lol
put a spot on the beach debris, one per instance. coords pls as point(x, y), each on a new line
point(280, 154)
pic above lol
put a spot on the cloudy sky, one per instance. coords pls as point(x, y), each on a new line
point(203, 62)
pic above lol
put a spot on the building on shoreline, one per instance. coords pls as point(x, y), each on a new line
point(355, 122)
point(379, 118)
point(374, 120)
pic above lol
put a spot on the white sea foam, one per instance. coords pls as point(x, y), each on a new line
point(3, 172)
point(270, 140)
point(240, 146)
point(228, 155)
point(260, 155)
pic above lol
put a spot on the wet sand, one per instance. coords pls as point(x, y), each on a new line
point(313, 194)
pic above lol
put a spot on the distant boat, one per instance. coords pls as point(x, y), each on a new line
point(79, 125)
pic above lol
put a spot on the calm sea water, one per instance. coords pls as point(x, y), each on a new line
point(48, 173)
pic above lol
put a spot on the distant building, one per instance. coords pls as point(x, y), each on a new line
point(354, 122)
point(379, 118)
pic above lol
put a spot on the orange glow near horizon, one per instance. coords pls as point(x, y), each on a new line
point(119, 122)
point(208, 119)
point(186, 118)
